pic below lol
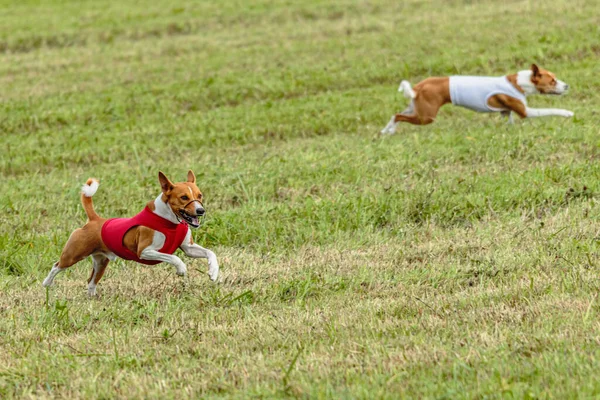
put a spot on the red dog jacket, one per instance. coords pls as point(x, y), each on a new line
point(114, 229)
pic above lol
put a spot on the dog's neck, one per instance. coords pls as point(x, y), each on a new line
point(164, 210)
point(524, 82)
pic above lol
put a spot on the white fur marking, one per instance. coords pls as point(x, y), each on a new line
point(90, 190)
point(561, 87)
point(52, 274)
point(151, 253)
point(390, 128)
point(524, 82)
point(98, 259)
point(164, 210)
point(407, 90)
point(196, 251)
point(547, 112)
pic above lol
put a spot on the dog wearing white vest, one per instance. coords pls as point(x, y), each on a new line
point(505, 94)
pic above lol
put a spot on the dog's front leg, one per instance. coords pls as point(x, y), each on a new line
point(154, 255)
point(194, 250)
point(547, 112)
point(150, 252)
point(518, 107)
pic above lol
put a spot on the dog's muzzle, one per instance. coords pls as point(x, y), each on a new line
point(191, 219)
point(560, 89)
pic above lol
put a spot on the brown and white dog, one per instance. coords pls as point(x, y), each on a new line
point(504, 94)
point(177, 207)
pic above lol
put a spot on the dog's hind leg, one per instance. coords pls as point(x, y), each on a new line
point(423, 111)
point(412, 119)
point(419, 116)
point(100, 262)
point(53, 272)
point(78, 247)
point(410, 110)
point(509, 116)
point(390, 128)
point(409, 93)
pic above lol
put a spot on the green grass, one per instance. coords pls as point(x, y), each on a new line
point(456, 260)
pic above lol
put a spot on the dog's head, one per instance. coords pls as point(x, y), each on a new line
point(184, 198)
point(538, 80)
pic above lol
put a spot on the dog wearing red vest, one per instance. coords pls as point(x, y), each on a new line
point(150, 237)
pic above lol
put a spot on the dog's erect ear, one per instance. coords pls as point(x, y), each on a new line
point(165, 183)
point(191, 177)
point(535, 71)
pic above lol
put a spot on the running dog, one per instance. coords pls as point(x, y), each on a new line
point(505, 94)
point(150, 237)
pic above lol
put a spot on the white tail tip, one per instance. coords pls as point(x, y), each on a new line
point(90, 187)
point(407, 90)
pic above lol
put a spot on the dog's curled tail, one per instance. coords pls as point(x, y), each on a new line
point(405, 88)
point(87, 191)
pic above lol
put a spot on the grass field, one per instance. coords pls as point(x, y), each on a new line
point(456, 260)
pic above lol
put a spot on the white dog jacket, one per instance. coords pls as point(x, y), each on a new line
point(473, 92)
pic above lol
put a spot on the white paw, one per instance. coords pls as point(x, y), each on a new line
point(91, 291)
point(181, 270)
point(213, 270)
point(47, 282)
point(567, 113)
point(390, 128)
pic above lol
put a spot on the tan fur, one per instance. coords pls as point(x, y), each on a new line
point(83, 242)
point(508, 103)
point(96, 275)
point(544, 80)
point(432, 93)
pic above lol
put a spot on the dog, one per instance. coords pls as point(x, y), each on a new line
point(505, 94)
point(151, 237)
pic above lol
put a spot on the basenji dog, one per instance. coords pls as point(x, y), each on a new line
point(151, 237)
point(505, 94)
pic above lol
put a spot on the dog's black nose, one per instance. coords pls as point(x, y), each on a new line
point(566, 87)
point(200, 212)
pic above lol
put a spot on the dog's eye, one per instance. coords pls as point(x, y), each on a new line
point(184, 198)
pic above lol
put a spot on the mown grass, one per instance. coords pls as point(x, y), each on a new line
point(457, 260)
